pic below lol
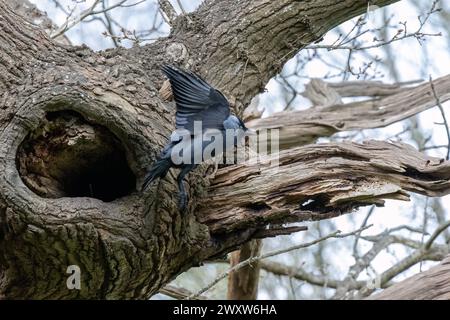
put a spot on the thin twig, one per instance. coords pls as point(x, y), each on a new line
point(358, 235)
point(424, 227)
point(424, 252)
point(441, 109)
point(336, 234)
point(373, 46)
point(435, 234)
point(70, 23)
point(178, 293)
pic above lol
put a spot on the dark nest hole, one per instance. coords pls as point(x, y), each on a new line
point(69, 157)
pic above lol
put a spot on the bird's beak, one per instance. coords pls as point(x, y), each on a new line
point(251, 132)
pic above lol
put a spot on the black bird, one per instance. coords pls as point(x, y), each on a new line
point(195, 100)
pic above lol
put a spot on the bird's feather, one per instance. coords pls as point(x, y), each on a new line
point(196, 100)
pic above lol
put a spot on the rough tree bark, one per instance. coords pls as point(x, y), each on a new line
point(66, 111)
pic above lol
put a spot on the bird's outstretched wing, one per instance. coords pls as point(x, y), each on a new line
point(196, 100)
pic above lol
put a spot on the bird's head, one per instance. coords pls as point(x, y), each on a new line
point(233, 122)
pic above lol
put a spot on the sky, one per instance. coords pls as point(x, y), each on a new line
point(414, 61)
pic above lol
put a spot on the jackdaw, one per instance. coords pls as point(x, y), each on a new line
point(197, 103)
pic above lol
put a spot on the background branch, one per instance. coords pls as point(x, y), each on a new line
point(427, 285)
point(303, 127)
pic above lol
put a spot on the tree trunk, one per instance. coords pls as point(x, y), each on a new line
point(78, 129)
point(243, 283)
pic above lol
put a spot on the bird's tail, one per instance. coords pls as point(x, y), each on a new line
point(158, 170)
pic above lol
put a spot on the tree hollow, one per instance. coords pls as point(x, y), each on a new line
point(66, 156)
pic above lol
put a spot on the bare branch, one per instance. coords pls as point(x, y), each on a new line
point(360, 265)
point(441, 109)
point(302, 127)
point(73, 21)
point(431, 284)
point(179, 293)
point(336, 234)
point(435, 234)
point(358, 236)
point(168, 11)
point(425, 252)
point(30, 11)
point(278, 231)
point(397, 37)
point(301, 275)
point(318, 182)
point(369, 88)
point(70, 23)
point(349, 42)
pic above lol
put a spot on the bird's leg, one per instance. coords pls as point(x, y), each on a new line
point(182, 201)
point(182, 196)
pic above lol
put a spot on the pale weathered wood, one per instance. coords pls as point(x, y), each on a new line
point(321, 93)
point(305, 126)
point(433, 284)
point(369, 88)
point(316, 182)
point(325, 94)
